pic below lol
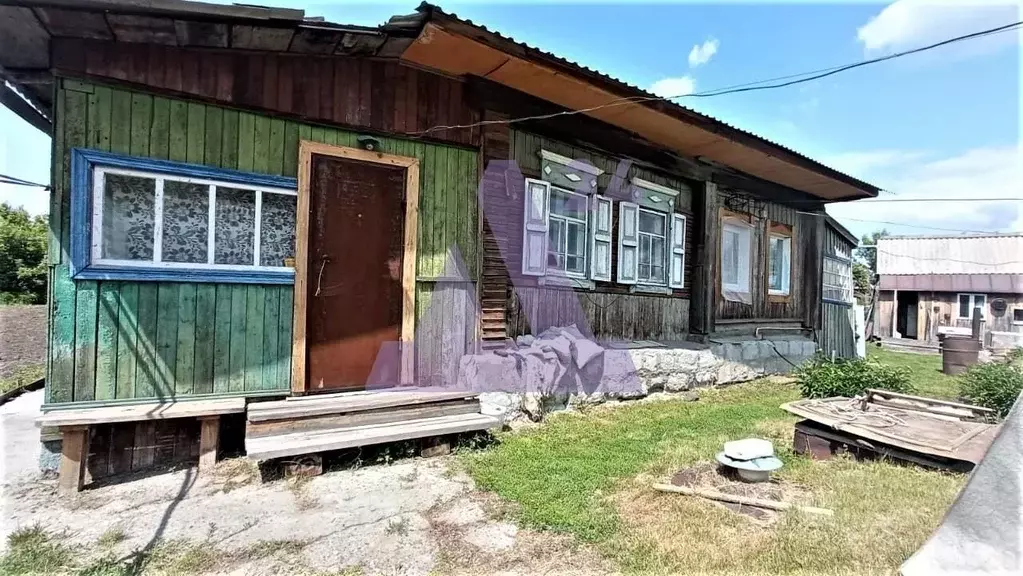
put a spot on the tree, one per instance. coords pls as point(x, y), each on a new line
point(869, 255)
point(22, 256)
point(861, 283)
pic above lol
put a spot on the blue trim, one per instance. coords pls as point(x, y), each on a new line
point(82, 163)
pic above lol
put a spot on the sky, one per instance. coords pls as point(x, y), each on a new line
point(941, 124)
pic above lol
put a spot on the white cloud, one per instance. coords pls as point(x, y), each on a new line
point(702, 53)
point(989, 172)
point(671, 87)
point(907, 24)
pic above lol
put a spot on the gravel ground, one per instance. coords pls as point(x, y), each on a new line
point(416, 516)
point(22, 337)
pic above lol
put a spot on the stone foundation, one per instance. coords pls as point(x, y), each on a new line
point(537, 382)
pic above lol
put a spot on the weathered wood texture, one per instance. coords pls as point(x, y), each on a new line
point(609, 316)
point(130, 446)
point(503, 227)
point(805, 259)
point(353, 92)
point(837, 335)
point(132, 340)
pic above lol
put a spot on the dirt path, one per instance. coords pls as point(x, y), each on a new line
point(22, 337)
point(412, 517)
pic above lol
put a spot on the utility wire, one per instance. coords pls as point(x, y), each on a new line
point(747, 87)
point(5, 179)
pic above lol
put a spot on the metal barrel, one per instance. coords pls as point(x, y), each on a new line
point(958, 353)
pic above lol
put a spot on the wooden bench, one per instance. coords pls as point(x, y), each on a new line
point(74, 426)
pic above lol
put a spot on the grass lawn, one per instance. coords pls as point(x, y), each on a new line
point(589, 475)
point(925, 371)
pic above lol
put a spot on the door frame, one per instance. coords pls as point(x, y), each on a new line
point(306, 150)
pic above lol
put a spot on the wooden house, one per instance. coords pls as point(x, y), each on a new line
point(929, 285)
point(248, 204)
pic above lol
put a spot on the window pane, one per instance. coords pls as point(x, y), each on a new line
point(235, 225)
point(276, 229)
point(651, 223)
point(186, 226)
point(1017, 315)
point(979, 301)
point(730, 257)
point(576, 251)
point(777, 264)
point(964, 306)
point(556, 245)
point(568, 205)
point(128, 217)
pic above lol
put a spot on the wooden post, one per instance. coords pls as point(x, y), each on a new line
point(74, 452)
point(704, 289)
point(209, 440)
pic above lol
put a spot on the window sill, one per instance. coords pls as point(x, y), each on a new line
point(283, 277)
point(569, 281)
point(650, 289)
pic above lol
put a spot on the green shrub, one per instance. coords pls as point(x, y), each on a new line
point(821, 377)
point(994, 385)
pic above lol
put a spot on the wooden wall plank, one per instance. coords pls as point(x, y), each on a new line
point(159, 132)
point(127, 339)
point(239, 329)
point(290, 150)
point(168, 319)
point(246, 140)
point(213, 139)
point(271, 323)
point(205, 322)
point(261, 144)
point(146, 364)
point(62, 348)
point(196, 137)
point(285, 320)
point(184, 370)
point(229, 140)
point(106, 341)
point(178, 136)
point(275, 162)
point(222, 338)
point(141, 123)
point(120, 128)
point(254, 308)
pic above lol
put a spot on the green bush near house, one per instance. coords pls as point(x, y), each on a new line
point(994, 385)
point(821, 377)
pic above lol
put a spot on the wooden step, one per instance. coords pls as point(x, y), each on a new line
point(279, 446)
point(408, 413)
point(351, 402)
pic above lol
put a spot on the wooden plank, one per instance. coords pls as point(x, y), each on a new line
point(271, 331)
point(284, 339)
point(75, 131)
point(266, 428)
point(120, 124)
point(212, 141)
point(275, 161)
point(73, 455)
point(238, 328)
point(254, 308)
point(141, 123)
point(106, 341)
point(205, 318)
point(166, 338)
point(352, 402)
point(184, 370)
point(261, 144)
point(60, 386)
point(145, 445)
point(229, 140)
point(209, 440)
point(145, 412)
point(427, 203)
point(196, 133)
point(222, 339)
point(159, 133)
point(246, 140)
point(440, 209)
point(61, 166)
point(178, 135)
point(127, 339)
point(85, 341)
point(290, 151)
point(312, 442)
point(99, 118)
point(298, 354)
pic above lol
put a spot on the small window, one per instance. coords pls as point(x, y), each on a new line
point(967, 302)
point(1017, 316)
point(838, 280)
point(567, 232)
point(735, 258)
point(653, 230)
point(780, 264)
point(161, 220)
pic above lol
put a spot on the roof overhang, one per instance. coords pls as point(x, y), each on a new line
point(973, 283)
point(459, 47)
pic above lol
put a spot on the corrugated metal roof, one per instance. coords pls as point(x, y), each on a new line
point(996, 254)
point(975, 283)
point(431, 9)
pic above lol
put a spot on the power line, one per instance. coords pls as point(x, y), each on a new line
point(877, 200)
point(747, 87)
point(5, 179)
point(913, 225)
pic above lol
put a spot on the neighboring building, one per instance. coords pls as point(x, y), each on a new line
point(931, 284)
point(249, 204)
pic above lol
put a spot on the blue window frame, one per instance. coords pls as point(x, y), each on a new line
point(144, 219)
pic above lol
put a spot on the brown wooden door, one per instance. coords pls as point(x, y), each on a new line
point(354, 300)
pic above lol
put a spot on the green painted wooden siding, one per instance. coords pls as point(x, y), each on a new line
point(114, 341)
